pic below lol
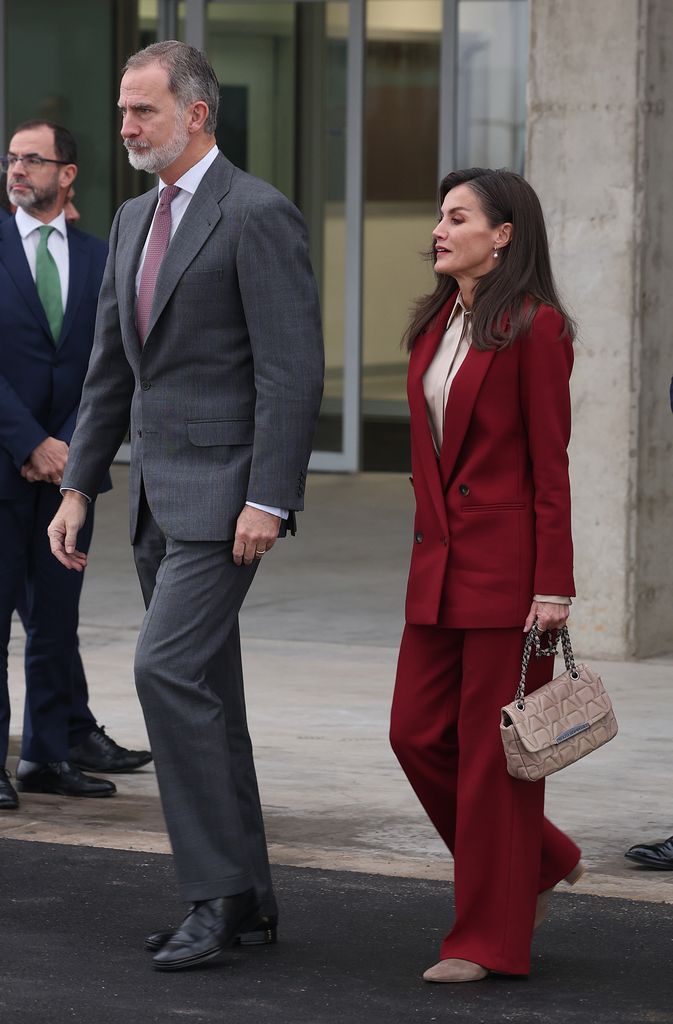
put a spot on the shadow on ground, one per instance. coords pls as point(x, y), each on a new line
point(352, 949)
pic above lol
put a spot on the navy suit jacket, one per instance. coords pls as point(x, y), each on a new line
point(40, 383)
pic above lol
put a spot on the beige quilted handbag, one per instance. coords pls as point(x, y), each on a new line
point(561, 722)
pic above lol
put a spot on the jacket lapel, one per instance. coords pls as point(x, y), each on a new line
point(462, 396)
point(198, 222)
point(14, 259)
point(78, 258)
point(421, 356)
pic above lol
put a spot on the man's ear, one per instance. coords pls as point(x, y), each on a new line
point(198, 115)
point(67, 175)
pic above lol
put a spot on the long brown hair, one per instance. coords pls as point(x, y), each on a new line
point(507, 297)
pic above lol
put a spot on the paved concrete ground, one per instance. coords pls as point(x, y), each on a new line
point(321, 628)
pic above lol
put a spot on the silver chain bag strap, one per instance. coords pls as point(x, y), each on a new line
point(561, 722)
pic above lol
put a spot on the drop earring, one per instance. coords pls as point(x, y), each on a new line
point(495, 252)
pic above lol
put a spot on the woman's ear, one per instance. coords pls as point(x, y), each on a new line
point(504, 235)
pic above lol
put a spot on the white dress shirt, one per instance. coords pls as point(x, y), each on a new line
point(57, 244)
point(188, 184)
point(439, 376)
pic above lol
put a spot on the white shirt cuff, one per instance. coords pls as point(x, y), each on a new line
point(553, 599)
point(282, 513)
point(64, 489)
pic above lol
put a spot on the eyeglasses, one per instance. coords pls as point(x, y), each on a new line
point(31, 160)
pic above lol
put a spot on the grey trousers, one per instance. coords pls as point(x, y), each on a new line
point(190, 685)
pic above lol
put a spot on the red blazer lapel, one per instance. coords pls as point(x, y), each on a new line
point(462, 396)
point(421, 356)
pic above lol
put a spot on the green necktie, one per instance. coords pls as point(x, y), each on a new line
point(49, 284)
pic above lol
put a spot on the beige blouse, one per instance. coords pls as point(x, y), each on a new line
point(439, 376)
point(447, 361)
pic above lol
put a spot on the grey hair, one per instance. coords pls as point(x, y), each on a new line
point(190, 75)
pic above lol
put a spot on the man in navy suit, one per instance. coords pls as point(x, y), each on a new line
point(50, 276)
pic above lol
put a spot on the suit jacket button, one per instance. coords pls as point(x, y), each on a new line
point(145, 385)
point(419, 538)
point(464, 490)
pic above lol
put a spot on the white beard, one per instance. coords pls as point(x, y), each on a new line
point(153, 160)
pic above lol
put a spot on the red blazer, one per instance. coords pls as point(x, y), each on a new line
point(492, 524)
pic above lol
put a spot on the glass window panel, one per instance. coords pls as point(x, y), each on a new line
point(252, 47)
point(48, 60)
point(402, 126)
point(148, 19)
point(492, 70)
point(282, 70)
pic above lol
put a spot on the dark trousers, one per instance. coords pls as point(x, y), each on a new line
point(48, 594)
point(445, 730)
point(81, 720)
point(190, 684)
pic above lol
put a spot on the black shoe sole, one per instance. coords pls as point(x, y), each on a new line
point(264, 937)
point(23, 788)
point(110, 771)
point(648, 863)
point(9, 807)
point(191, 961)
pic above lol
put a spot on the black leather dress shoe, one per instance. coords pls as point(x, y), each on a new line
point(210, 927)
point(98, 752)
point(9, 801)
point(263, 932)
point(657, 855)
point(63, 778)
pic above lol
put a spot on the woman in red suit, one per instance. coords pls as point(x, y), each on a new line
point(491, 355)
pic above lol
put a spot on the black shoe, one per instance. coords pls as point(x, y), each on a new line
point(98, 752)
point(211, 926)
point(657, 855)
point(9, 800)
point(263, 932)
point(63, 778)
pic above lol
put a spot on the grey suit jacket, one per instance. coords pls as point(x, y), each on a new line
point(223, 397)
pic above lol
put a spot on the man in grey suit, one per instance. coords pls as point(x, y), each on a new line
point(208, 338)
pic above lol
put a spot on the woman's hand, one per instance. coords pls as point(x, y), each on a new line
point(549, 616)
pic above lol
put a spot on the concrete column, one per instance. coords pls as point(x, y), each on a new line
point(600, 154)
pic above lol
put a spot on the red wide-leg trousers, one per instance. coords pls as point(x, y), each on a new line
point(445, 731)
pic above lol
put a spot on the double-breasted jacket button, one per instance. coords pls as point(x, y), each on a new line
point(464, 490)
point(419, 538)
point(145, 385)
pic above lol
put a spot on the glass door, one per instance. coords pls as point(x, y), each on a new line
point(284, 110)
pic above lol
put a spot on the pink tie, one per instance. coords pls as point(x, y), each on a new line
point(160, 236)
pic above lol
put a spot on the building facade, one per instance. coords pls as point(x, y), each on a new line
point(355, 109)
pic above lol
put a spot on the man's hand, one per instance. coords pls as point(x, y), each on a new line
point(256, 533)
point(46, 462)
point(63, 530)
point(549, 616)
